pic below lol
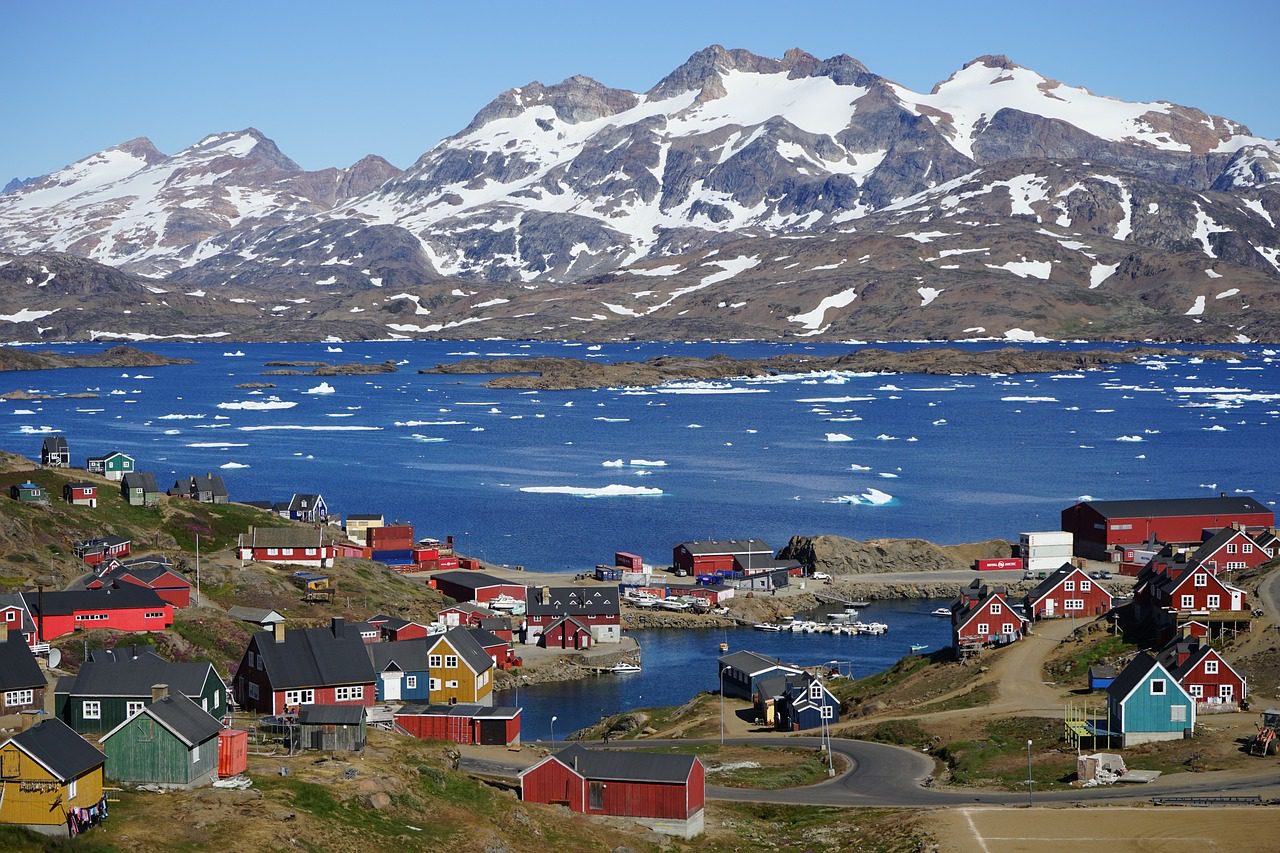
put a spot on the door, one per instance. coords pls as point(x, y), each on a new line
point(1048, 607)
point(391, 686)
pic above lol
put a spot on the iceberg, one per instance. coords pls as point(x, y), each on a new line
point(611, 491)
point(871, 497)
point(838, 436)
point(322, 388)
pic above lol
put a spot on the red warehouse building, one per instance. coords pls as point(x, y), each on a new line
point(1205, 674)
point(463, 585)
point(1101, 526)
point(1067, 592)
point(129, 608)
point(665, 792)
point(283, 670)
point(462, 723)
point(707, 556)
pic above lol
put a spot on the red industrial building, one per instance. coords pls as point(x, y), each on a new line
point(129, 608)
point(461, 723)
point(665, 792)
point(1067, 592)
point(1099, 527)
point(479, 587)
point(708, 556)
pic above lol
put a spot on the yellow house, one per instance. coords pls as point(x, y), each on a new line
point(47, 773)
point(459, 668)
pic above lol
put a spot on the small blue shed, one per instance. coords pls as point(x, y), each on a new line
point(1147, 704)
point(1101, 676)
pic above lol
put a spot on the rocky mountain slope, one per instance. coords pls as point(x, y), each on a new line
point(739, 196)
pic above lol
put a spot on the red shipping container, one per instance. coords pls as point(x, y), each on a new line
point(997, 564)
point(629, 561)
point(447, 563)
point(233, 752)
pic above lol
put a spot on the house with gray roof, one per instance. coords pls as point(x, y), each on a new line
point(171, 742)
point(115, 684)
point(283, 670)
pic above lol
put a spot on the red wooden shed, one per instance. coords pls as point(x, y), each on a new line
point(566, 632)
point(462, 723)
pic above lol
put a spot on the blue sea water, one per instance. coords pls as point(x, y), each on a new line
point(677, 665)
point(948, 458)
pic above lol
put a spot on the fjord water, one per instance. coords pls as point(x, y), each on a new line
point(947, 458)
point(677, 665)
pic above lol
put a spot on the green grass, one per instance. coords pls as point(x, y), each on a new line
point(999, 758)
point(980, 695)
point(804, 767)
point(16, 840)
point(217, 525)
point(897, 732)
point(813, 828)
point(217, 641)
point(867, 686)
point(319, 801)
point(1077, 666)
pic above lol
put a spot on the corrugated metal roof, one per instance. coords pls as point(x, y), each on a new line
point(1163, 507)
point(617, 765)
point(191, 723)
point(331, 715)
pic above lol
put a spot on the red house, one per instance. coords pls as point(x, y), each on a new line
point(286, 546)
point(1100, 526)
point(102, 549)
point(395, 629)
point(594, 607)
point(1067, 592)
point(80, 494)
point(129, 608)
point(1195, 590)
point(462, 723)
point(282, 670)
point(985, 618)
point(153, 575)
point(495, 647)
point(464, 613)
point(707, 556)
point(1229, 549)
point(566, 632)
point(463, 585)
point(1205, 674)
point(15, 617)
point(665, 792)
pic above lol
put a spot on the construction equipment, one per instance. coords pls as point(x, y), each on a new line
point(1264, 742)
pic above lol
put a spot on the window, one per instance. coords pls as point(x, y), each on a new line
point(1214, 601)
point(253, 690)
point(1122, 527)
point(1238, 564)
point(251, 658)
point(434, 684)
point(827, 712)
point(348, 694)
point(1231, 548)
point(273, 552)
point(1073, 604)
point(71, 789)
point(434, 661)
point(91, 710)
point(452, 684)
point(1201, 579)
point(195, 754)
point(1085, 586)
point(597, 795)
point(1246, 548)
point(815, 690)
point(11, 616)
point(217, 698)
point(411, 682)
point(311, 552)
point(1068, 586)
point(153, 614)
point(14, 698)
point(299, 697)
point(131, 708)
point(1197, 691)
point(1211, 667)
point(1226, 691)
point(1157, 687)
point(1178, 713)
point(984, 629)
point(1006, 628)
point(1188, 602)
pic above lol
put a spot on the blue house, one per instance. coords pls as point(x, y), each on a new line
point(1146, 704)
point(741, 672)
point(309, 508)
point(795, 702)
point(400, 670)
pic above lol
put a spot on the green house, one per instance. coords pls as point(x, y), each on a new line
point(113, 466)
point(139, 488)
point(115, 684)
point(28, 493)
point(170, 742)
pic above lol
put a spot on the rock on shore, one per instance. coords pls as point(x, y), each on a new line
point(837, 555)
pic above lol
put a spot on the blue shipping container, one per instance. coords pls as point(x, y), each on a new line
point(398, 557)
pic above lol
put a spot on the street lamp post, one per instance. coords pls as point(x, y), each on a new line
point(553, 728)
point(723, 670)
point(1029, 781)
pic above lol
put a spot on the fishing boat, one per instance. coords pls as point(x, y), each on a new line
point(854, 605)
point(767, 626)
point(840, 617)
point(944, 612)
point(506, 603)
point(625, 667)
point(724, 648)
point(918, 647)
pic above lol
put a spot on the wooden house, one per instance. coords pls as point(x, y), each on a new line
point(395, 629)
point(209, 489)
point(113, 465)
point(464, 723)
point(595, 607)
point(263, 617)
point(401, 670)
point(461, 671)
point(139, 488)
point(464, 613)
point(50, 777)
point(1193, 590)
point(495, 647)
point(101, 549)
point(115, 684)
point(566, 632)
point(129, 608)
point(309, 508)
point(663, 791)
point(332, 728)
point(15, 618)
point(792, 703)
point(80, 494)
point(284, 670)
point(28, 493)
point(22, 682)
point(156, 575)
point(1205, 674)
point(741, 672)
point(1231, 548)
point(1067, 592)
point(171, 742)
point(1145, 703)
point(55, 453)
point(286, 546)
point(478, 587)
point(985, 618)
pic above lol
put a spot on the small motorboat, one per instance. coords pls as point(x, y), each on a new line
point(918, 647)
point(942, 611)
point(854, 605)
point(724, 648)
point(767, 626)
point(625, 667)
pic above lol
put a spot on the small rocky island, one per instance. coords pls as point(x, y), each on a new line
point(122, 356)
point(553, 373)
point(323, 368)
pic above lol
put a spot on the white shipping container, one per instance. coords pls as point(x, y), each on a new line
point(1047, 537)
point(1047, 551)
point(1043, 564)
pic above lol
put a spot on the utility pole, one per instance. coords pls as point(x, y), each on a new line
point(1029, 780)
point(197, 570)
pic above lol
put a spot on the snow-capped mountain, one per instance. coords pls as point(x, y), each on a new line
point(740, 195)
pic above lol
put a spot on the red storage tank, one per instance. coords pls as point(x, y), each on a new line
point(997, 564)
point(233, 752)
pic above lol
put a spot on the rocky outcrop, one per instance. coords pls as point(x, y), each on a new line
point(11, 359)
point(837, 555)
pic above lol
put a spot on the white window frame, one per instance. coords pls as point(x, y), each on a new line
point(195, 754)
point(827, 712)
point(1073, 604)
point(433, 684)
point(995, 608)
point(1231, 547)
point(435, 661)
point(1227, 691)
point(299, 697)
point(253, 690)
point(153, 614)
point(1006, 628)
point(411, 682)
point(1214, 602)
point(1236, 564)
point(273, 552)
point(450, 661)
point(90, 709)
point(1068, 586)
point(984, 629)
point(72, 788)
point(1196, 691)
point(1162, 685)
point(1178, 713)
point(14, 698)
point(1188, 602)
point(1211, 667)
point(453, 685)
point(348, 694)
point(1201, 579)
point(1246, 548)
point(815, 690)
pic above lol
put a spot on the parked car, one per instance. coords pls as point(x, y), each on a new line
point(821, 576)
point(1028, 576)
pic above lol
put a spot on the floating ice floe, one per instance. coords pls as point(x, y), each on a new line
point(648, 463)
point(884, 437)
point(217, 445)
point(322, 388)
point(173, 432)
point(35, 430)
point(233, 465)
point(1029, 399)
point(1215, 428)
point(838, 436)
point(612, 420)
point(694, 426)
point(613, 490)
point(304, 428)
point(856, 467)
point(871, 497)
point(236, 354)
point(429, 439)
point(269, 404)
point(429, 423)
point(940, 422)
point(1129, 438)
point(888, 475)
point(613, 463)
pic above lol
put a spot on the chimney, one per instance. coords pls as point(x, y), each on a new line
point(159, 691)
point(4, 632)
point(1235, 525)
point(278, 629)
point(337, 626)
point(546, 595)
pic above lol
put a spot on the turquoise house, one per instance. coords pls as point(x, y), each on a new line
point(1147, 704)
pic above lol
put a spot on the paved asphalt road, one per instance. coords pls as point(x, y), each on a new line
point(881, 775)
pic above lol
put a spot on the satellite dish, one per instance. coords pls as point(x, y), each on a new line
point(55, 658)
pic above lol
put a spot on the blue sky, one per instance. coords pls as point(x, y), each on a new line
point(331, 82)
